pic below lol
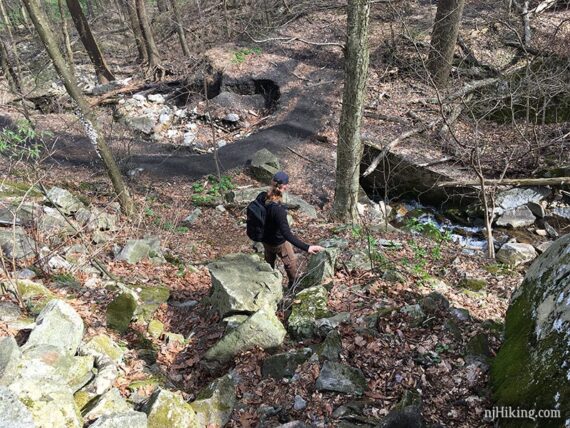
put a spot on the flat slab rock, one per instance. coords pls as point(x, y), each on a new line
point(341, 378)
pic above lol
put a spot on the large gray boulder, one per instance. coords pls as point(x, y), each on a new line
point(110, 402)
point(309, 305)
point(242, 283)
point(215, 403)
point(13, 413)
point(167, 409)
point(515, 254)
point(130, 419)
point(517, 217)
point(519, 196)
point(64, 200)
point(10, 356)
point(47, 397)
point(531, 370)
point(262, 329)
point(58, 325)
point(264, 165)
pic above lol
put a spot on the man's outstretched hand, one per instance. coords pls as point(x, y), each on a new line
point(314, 249)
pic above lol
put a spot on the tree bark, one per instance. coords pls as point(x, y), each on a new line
point(349, 147)
point(102, 71)
point(162, 5)
point(129, 7)
point(443, 39)
point(151, 50)
point(180, 28)
point(66, 40)
point(83, 110)
point(8, 70)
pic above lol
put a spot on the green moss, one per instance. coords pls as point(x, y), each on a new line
point(82, 398)
point(309, 305)
point(155, 328)
point(151, 298)
point(154, 382)
point(105, 345)
point(120, 312)
point(473, 284)
point(10, 189)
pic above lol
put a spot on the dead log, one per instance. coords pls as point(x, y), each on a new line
point(515, 182)
point(385, 149)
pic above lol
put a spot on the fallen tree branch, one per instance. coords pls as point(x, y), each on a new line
point(380, 116)
point(296, 39)
point(467, 89)
point(516, 182)
point(384, 150)
point(300, 155)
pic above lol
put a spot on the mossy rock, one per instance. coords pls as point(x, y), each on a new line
point(167, 409)
point(478, 349)
point(473, 284)
point(215, 403)
point(35, 295)
point(320, 268)
point(108, 403)
point(155, 328)
point(145, 383)
point(121, 311)
point(308, 306)
point(150, 298)
point(10, 189)
point(283, 365)
point(103, 344)
point(338, 377)
point(531, 369)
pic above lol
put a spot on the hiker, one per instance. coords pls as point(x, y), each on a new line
point(273, 230)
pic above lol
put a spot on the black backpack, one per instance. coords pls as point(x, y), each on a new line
point(255, 224)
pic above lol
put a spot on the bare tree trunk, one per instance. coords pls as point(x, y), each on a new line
point(443, 39)
point(162, 5)
point(66, 41)
point(349, 147)
point(90, 12)
point(129, 7)
point(180, 28)
point(86, 115)
point(151, 50)
point(102, 71)
point(8, 69)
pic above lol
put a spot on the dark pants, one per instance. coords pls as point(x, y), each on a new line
point(286, 254)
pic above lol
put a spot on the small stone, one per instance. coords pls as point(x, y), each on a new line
point(221, 208)
point(283, 365)
point(231, 117)
point(189, 138)
point(473, 284)
point(155, 328)
point(139, 97)
point(552, 233)
point(393, 276)
point(543, 246)
point(537, 209)
point(541, 232)
point(164, 118)
point(222, 143)
point(300, 403)
point(331, 347)
point(9, 311)
point(460, 314)
point(337, 377)
point(155, 98)
point(26, 274)
point(415, 313)
point(434, 302)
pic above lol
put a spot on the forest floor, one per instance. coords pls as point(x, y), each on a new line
point(394, 355)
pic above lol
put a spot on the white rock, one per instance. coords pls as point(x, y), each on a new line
point(139, 97)
point(156, 98)
point(189, 138)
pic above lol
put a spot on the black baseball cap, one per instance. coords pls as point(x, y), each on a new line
point(281, 177)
